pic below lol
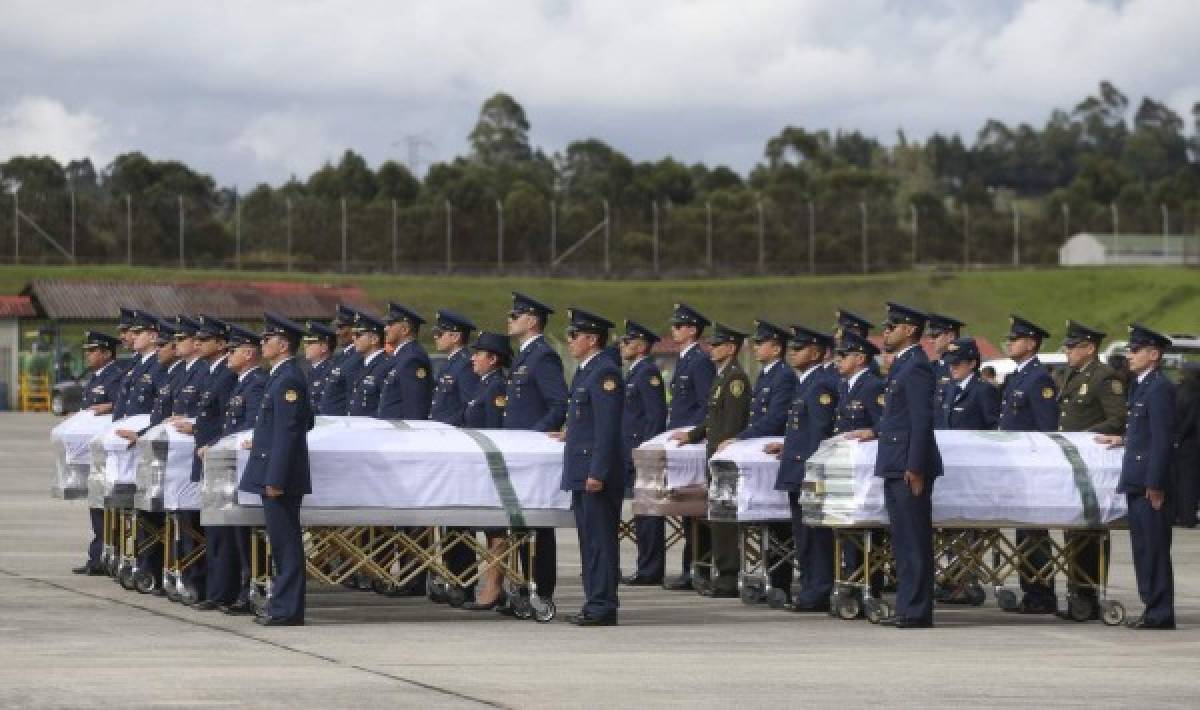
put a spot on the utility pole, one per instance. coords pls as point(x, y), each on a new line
point(345, 236)
point(812, 238)
point(762, 237)
point(287, 203)
point(499, 236)
point(181, 218)
point(607, 238)
point(862, 206)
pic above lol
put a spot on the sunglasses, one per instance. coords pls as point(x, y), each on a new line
point(204, 338)
point(1136, 348)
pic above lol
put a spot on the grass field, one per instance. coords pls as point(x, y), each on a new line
point(1108, 298)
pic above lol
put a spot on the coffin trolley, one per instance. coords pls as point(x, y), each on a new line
point(671, 481)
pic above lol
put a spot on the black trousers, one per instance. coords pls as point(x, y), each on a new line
point(597, 521)
point(686, 562)
point(458, 559)
point(223, 582)
point(1150, 537)
point(911, 522)
point(287, 549)
point(651, 545)
point(545, 564)
point(1037, 592)
point(814, 554)
point(96, 546)
point(1186, 479)
point(1087, 560)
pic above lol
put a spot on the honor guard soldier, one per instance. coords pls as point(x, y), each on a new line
point(124, 322)
point(909, 462)
point(347, 360)
point(1091, 398)
point(848, 322)
point(593, 464)
point(690, 387)
point(536, 399)
point(99, 352)
point(810, 421)
point(643, 417)
point(407, 390)
point(278, 468)
point(212, 342)
point(137, 394)
point(491, 353)
point(186, 402)
point(968, 401)
point(371, 366)
point(943, 330)
point(859, 407)
point(1030, 403)
point(1149, 443)
point(228, 553)
point(170, 369)
point(457, 381)
point(320, 344)
point(727, 415)
point(773, 389)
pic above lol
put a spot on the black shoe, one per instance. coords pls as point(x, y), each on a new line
point(277, 621)
point(679, 584)
point(1142, 624)
point(506, 609)
point(238, 609)
point(206, 605)
point(724, 592)
point(1030, 605)
point(816, 608)
point(637, 580)
point(91, 569)
point(409, 591)
point(585, 619)
point(901, 622)
point(483, 606)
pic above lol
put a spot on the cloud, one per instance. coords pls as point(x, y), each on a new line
point(36, 125)
point(290, 140)
point(257, 90)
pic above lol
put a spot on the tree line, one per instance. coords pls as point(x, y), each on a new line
point(833, 201)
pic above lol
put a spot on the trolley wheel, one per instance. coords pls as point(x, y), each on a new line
point(849, 606)
point(521, 607)
point(1112, 613)
point(362, 582)
point(188, 595)
point(112, 566)
point(750, 593)
point(144, 581)
point(456, 596)
point(1079, 608)
point(873, 610)
point(125, 577)
point(975, 594)
point(171, 587)
point(1006, 599)
point(436, 589)
point(543, 609)
point(777, 598)
point(258, 600)
point(382, 586)
point(702, 585)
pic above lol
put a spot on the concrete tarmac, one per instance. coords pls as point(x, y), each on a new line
point(80, 642)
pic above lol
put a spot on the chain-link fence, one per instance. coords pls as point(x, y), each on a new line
point(527, 234)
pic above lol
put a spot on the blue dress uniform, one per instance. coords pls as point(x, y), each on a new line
point(850, 323)
point(937, 326)
point(318, 374)
point(335, 399)
point(367, 383)
point(1146, 465)
point(101, 388)
point(593, 450)
point(228, 553)
point(485, 410)
point(279, 457)
point(643, 417)
point(456, 382)
point(907, 443)
point(407, 388)
point(190, 382)
point(536, 399)
point(772, 390)
point(137, 393)
point(859, 406)
point(810, 421)
point(166, 377)
point(687, 407)
point(972, 404)
point(1030, 403)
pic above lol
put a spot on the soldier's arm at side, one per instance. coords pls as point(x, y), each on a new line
point(253, 396)
point(417, 391)
point(990, 404)
point(873, 401)
point(1045, 409)
point(607, 460)
point(1159, 454)
point(548, 378)
point(290, 424)
point(654, 400)
point(775, 420)
point(918, 392)
point(1112, 401)
point(824, 415)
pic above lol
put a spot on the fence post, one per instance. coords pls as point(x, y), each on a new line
point(607, 238)
point(449, 236)
point(812, 238)
point(345, 236)
point(708, 235)
point(499, 236)
point(181, 261)
point(654, 235)
point(128, 230)
point(862, 207)
point(287, 203)
point(762, 237)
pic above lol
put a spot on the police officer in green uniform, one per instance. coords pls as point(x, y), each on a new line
point(1090, 398)
point(727, 415)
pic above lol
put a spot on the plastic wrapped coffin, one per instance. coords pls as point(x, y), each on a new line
point(742, 485)
point(671, 479)
point(164, 471)
point(71, 440)
point(113, 477)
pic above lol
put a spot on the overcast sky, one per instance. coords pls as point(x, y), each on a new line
point(256, 91)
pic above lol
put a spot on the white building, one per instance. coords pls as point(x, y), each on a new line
point(1086, 249)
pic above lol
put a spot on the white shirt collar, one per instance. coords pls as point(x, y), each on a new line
point(102, 368)
point(245, 374)
point(1021, 365)
point(770, 366)
point(276, 365)
point(962, 385)
point(367, 360)
point(854, 378)
point(901, 353)
point(636, 362)
point(318, 362)
point(174, 365)
point(802, 376)
point(191, 361)
point(687, 348)
point(529, 341)
point(1144, 375)
point(146, 357)
point(216, 363)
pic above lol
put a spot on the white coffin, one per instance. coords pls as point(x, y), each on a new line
point(71, 440)
point(114, 464)
point(742, 486)
point(671, 478)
